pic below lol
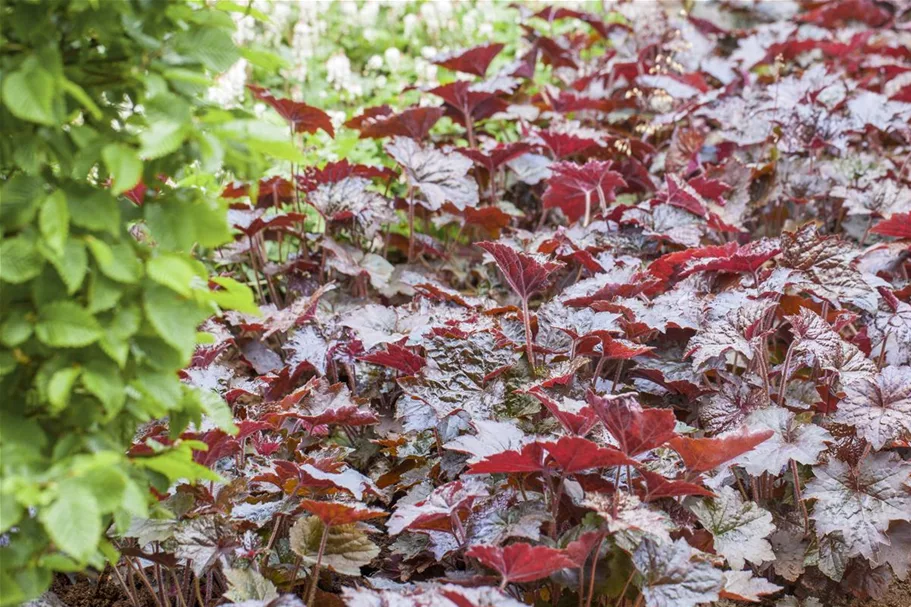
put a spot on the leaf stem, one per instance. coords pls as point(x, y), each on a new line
point(529, 344)
point(799, 498)
point(311, 595)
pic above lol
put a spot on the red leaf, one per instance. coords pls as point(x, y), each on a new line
point(303, 118)
point(637, 430)
point(472, 61)
point(398, 358)
point(338, 513)
point(658, 486)
point(524, 273)
point(498, 156)
point(576, 189)
point(566, 144)
point(579, 423)
point(529, 459)
point(467, 103)
point(610, 346)
point(335, 172)
point(521, 562)
point(575, 454)
point(414, 122)
point(745, 259)
point(704, 454)
point(580, 549)
point(491, 219)
point(897, 226)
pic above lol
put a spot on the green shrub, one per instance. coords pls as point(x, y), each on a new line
point(100, 295)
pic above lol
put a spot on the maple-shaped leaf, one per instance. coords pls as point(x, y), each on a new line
point(630, 519)
point(574, 454)
point(897, 225)
point(440, 176)
point(793, 439)
point(350, 200)
point(635, 429)
point(471, 61)
point(530, 459)
point(742, 586)
point(340, 513)
point(319, 402)
point(303, 118)
point(675, 577)
point(467, 102)
point(859, 502)
point(428, 595)
point(578, 422)
point(657, 486)
point(746, 259)
point(526, 274)
point(442, 503)
point(496, 157)
point(333, 172)
point(704, 454)
point(345, 550)
point(248, 585)
point(890, 330)
point(739, 528)
point(575, 188)
point(505, 516)
point(898, 553)
point(564, 144)
point(824, 266)
point(816, 343)
point(727, 330)
point(396, 357)
point(492, 437)
point(521, 562)
point(879, 407)
point(414, 123)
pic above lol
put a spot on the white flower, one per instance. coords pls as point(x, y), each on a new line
point(229, 87)
point(393, 58)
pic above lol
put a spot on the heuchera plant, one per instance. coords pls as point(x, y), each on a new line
point(624, 318)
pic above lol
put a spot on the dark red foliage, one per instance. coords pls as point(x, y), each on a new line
point(472, 61)
point(338, 513)
point(415, 122)
point(524, 273)
point(704, 454)
point(635, 429)
point(303, 118)
point(576, 189)
point(396, 357)
point(521, 562)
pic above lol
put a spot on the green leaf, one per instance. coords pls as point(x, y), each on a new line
point(94, 209)
point(177, 464)
point(20, 260)
point(176, 272)
point(64, 324)
point(173, 318)
point(78, 93)
point(60, 387)
point(161, 139)
point(73, 521)
point(29, 94)
point(103, 380)
point(179, 224)
point(54, 221)
point(213, 47)
point(11, 512)
point(234, 296)
point(117, 262)
point(20, 196)
point(107, 484)
point(71, 265)
point(124, 166)
point(16, 329)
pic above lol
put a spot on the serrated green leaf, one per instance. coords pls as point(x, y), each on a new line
point(211, 46)
point(173, 318)
point(117, 262)
point(29, 94)
point(103, 380)
point(54, 221)
point(20, 195)
point(161, 139)
point(20, 260)
point(65, 324)
point(180, 224)
point(71, 265)
point(16, 328)
point(176, 272)
point(60, 387)
point(73, 521)
point(177, 464)
point(234, 296)
point(124, 166)
point(107, 484)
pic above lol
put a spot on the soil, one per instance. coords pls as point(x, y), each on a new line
point(85, 592)
point(899, 595)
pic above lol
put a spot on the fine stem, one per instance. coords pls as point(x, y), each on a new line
point(529, 345)
point(311, 595)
